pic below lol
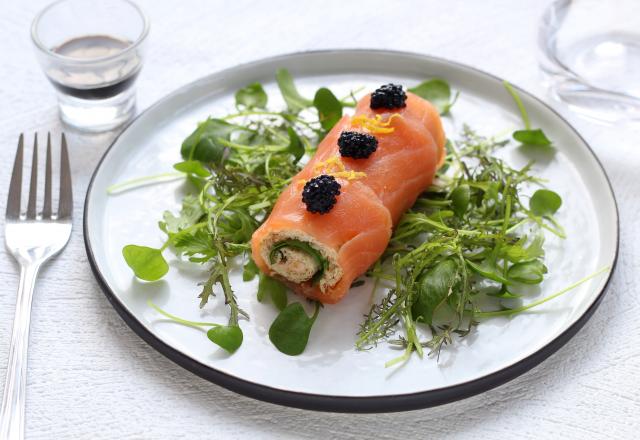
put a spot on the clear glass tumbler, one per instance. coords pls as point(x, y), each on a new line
point(92, 53)
point(590, 53)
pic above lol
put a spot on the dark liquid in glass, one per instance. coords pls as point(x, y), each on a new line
point(100, 83)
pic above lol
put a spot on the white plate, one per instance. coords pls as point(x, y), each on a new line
point(330, 374)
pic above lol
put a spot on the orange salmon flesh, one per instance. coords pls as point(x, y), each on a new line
point(359, 226)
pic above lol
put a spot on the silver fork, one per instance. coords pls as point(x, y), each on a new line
point(32, 239)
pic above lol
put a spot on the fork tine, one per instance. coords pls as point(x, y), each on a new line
point(33, 187)
point(46, 209)
point(65, 208)
point(15, 186)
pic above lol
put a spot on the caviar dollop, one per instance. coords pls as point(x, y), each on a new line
point(388, 96)
point(357, 145)
point(319, 194)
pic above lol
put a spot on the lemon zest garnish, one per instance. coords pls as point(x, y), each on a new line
point(350, 175)
point(333, 167)
point(374, 125)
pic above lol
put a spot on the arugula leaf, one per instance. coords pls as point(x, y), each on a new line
point(530, 272)
point(147, 263)
point(250, 270)
point(252, 96)
point(291, 328)
point(545, 202)
point(329, 108)
point(203, 144)
point(274, 289)
point(192, 167)
point(438, 92)
point(460, 199)
point(228, 337)
point(434, 288)
point(295, 101)
point(295, 145)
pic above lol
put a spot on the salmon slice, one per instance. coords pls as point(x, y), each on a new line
point(418, 110)
point(357, 230)
point(409, 151)
point(374, 194)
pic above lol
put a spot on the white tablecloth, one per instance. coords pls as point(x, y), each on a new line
point(91, 377)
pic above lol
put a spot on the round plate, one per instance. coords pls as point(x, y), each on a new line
point(331, 375)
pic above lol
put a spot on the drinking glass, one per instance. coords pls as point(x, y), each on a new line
point(92, 53)
point(590, 54)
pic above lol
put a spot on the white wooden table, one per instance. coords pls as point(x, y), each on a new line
point(92, 377)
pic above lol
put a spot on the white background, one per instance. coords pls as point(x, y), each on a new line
point(91, 377)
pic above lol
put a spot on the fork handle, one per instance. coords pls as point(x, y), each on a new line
point(13, 400)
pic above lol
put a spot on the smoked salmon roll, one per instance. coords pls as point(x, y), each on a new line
point(336, 217)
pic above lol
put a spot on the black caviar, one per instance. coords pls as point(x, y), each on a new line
point(357, 145)
point(319, 194)
point(388, 96)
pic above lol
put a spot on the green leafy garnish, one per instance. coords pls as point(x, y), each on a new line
point(250, 270)
point(545, 202)
point(229, 337)
point(290, 330)
point(226, 337)
point(295, 146)
point(531, 137)
point(433, 288)
point(460, 199)
point(252, 96)
point(438, 92)
point(529, 272)
point(205, 145)
point(271, 288)
point(462, 240)
point(329, 108)
point(528, 136)
point(295, 101)
point(192, 167)
point(147, 263)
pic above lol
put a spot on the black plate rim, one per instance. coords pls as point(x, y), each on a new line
point(348, 404)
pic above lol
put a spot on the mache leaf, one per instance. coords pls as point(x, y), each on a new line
point(532, 137)
point(438, 92)
point(250, 270)
point(529, 272)
point(228, 337)
point(291, 328)
point(203, 144)
point(274, 289)
point(147, 263)
point(329, 108)
point(545, 202)
point(295, 144)
point(460, 199)
point(252, 96)
point(192, 167)
point(434, 288)
point(295, 101)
